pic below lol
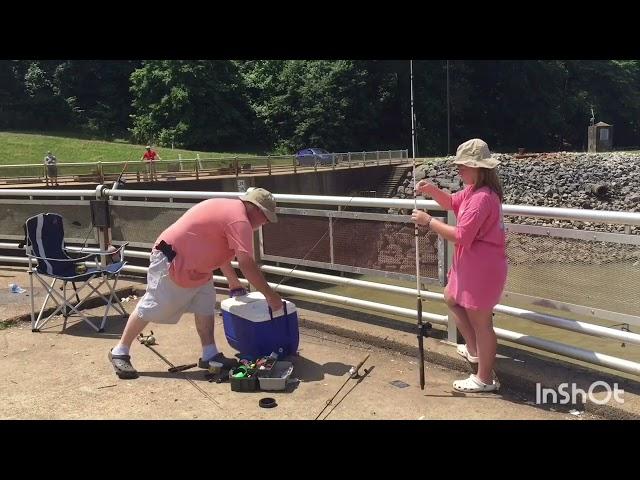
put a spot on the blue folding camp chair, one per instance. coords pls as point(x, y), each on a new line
point(44, 244)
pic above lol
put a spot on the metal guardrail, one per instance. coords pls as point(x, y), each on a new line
point(558, 321)
point(101, 172)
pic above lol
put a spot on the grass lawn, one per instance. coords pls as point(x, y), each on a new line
point(30, 148)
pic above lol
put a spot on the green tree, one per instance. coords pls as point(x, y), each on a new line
point(197, 104)
point(97, 92)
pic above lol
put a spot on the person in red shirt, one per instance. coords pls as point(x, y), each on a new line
point(150, 157)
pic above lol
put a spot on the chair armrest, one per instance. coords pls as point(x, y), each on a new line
point(80, 259)
point(113, 252)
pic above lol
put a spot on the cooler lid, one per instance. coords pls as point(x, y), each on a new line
point(253, 307)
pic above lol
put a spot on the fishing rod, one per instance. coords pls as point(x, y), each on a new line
point(353, 373)
point(421, 326)
point(149, 340)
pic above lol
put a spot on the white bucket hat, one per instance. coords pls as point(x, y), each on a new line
point(475, 153)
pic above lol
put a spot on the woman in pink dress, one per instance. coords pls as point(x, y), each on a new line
point(479, 271)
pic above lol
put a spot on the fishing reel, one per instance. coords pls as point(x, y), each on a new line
point(147, 339)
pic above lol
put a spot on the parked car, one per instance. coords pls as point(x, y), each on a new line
point(309, 157)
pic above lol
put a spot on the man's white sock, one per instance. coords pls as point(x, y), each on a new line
point(120, 350)
point(209, 351)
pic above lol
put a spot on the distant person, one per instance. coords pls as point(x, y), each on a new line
point(479, 271)
point(51, 169)
point(150, 157)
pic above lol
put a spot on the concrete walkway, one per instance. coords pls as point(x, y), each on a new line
point(66, 375)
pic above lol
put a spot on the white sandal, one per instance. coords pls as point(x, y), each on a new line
point(462, 350)
point(473, 384)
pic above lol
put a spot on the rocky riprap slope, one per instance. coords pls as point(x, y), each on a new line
point(600, 181)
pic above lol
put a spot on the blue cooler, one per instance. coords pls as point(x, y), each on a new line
point(251, 329)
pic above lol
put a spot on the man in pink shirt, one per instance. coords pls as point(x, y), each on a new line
point(479, 271)
point(208, 236)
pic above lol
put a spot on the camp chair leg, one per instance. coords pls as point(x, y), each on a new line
point(49, 289)
point(82, 316)
point(51, 293)
point(114, 299)
point(94, 289)
point(54, 296)
point(74, 287)
point(66, 308)
point(64, 305)
point(80, 302)
point(33, 307)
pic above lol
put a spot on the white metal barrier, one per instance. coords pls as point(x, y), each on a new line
point(557, 321)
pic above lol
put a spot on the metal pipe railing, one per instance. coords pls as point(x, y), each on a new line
point(604, 216)
point(36, 192)
point(570, 351)
point(544, 319)
point(630, 218)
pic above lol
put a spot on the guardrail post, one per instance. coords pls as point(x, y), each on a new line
point(103, 232)
point(377, 158)
point(349, 159)
point(364, 159)
point(269, 164)
point(333, 161)
point(295, 165)
point(197, 170)
point(100, 172)
point(236, 163)
point(389, 157)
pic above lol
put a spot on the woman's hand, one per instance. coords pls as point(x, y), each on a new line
point(426, 187)
point(420, 217)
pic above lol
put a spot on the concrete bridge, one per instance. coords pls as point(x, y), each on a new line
point(371, 178)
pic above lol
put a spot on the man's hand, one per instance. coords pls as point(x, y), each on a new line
point(237, 292)
point(254, 276)
point(275, 302)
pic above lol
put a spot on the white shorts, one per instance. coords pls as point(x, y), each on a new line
point(165, 301)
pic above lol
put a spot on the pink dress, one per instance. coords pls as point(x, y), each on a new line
point(479, 271)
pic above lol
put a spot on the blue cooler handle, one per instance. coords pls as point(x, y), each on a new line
point(284, 304)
